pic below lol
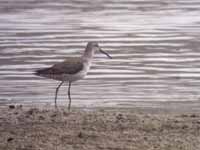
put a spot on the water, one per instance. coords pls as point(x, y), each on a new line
point(154, 45)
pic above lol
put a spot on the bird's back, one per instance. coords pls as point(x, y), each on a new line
point(70, 66)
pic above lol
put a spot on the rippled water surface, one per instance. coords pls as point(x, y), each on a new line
point(154, 45)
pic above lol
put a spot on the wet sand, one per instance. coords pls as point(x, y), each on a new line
point(33, 128)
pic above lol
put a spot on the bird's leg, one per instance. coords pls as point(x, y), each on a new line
point(69, 105)
point(57, 93)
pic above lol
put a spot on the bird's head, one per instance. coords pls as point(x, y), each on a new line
point(95, 47)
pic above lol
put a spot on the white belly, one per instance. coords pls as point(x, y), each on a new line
point(75, 77)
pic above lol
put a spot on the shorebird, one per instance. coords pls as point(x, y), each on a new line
point(72, 69)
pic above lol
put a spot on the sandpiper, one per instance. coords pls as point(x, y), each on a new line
point(72, 69)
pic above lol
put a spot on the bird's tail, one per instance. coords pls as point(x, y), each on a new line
point(39, 72)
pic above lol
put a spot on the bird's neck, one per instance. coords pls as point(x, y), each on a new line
point(89, 53)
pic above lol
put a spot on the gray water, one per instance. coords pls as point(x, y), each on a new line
point(154, 45)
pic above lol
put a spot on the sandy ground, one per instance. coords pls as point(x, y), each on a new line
point(32, 128)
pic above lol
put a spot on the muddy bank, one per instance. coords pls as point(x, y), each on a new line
point(32, 128)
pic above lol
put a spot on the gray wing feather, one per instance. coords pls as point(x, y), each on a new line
point(70, 66)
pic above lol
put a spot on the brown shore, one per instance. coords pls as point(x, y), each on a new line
point(34, 128)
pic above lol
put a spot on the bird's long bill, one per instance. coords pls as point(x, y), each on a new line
point(105, 53)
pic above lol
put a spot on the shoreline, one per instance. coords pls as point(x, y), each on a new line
point(33, 128)
point(146, 106)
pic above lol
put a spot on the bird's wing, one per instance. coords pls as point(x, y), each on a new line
point(69, 66)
